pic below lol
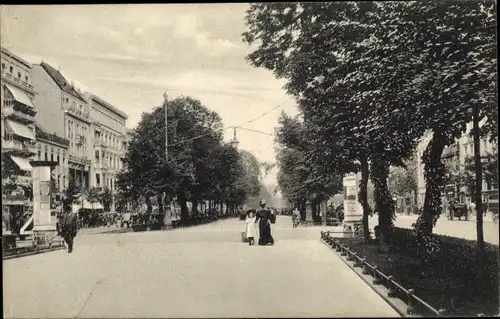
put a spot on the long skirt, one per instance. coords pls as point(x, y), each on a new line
point(265, 237)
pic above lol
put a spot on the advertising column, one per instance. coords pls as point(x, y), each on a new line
point(44, 215)
point(353, 212)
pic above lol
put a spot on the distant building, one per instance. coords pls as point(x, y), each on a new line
point(109, 138)
point(18, 119)
point(63, 111)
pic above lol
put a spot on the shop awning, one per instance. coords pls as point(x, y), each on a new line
point(88, 205)
point(20, 96)
point(20, 129)
point(23, 163)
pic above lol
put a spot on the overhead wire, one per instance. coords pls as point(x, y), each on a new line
point(234, 126)
point(252, 130)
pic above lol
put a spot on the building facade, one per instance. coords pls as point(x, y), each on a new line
point(18, 125)
point(109, 139)
point(51, 147)
point(454, 158)
point(64, 112)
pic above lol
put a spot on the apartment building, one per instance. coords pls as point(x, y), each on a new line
point(18, 123)
point(109, 139)
point(51, 147)
point(454, 158)
point(64, 112)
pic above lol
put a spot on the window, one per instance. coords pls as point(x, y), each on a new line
point(58, 159)
point(51, 157)
point(98, 179)
point(46, 156)
point(19, 74)
point(97, 156)
point(39, 155)
point(26, 78)
point(3, 66)
point(11, 69)
point(64, 182)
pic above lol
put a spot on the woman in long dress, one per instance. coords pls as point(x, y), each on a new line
point(264, 217)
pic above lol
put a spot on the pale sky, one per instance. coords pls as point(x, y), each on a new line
point(130, 54)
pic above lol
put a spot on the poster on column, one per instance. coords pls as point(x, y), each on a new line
point(42, 195)
point(352, 207)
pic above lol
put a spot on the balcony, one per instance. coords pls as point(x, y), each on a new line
point(100, 144)
point(13, 146)
point(79, 160)
point(450, 151)
point(51, 137)
point(17, 114)
point(75, 111)
point(17, 81)
point(17, 180)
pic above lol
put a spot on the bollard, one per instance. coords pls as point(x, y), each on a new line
point(349, 255)
point(411, 302)
point(358, 262)
point(343, 251)
point(333, 243)
point(337, 247)
point(390, 286)
point(376, 276)
point(366, 269)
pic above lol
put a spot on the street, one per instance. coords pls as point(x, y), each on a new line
point(203, 271)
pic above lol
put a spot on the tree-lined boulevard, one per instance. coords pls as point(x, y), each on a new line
point(371, 80)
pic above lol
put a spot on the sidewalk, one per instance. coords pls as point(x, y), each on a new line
point(97, 230)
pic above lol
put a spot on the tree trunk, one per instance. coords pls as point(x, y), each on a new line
point(148, 205)
point(479, 180)
point(181, 197)
point(384, 204)
point(161, 204)
point(434, 171)
point(195, 205)
point(363, 196)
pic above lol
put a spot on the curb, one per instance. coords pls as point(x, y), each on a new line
point(397, 304)
point(31, 253)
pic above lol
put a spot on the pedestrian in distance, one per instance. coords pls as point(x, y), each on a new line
point(264, 217)
point(295, 217)
point(250, 228)
point(69, 227)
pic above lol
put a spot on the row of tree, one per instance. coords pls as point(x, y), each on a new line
point(370, 79)
point(198, 166)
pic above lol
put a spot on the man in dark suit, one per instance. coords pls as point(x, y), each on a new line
point(69, 227)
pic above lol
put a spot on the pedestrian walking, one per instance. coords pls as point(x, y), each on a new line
point(250, 228)
point(295, 217)
point(264, 217)
point(69, 227)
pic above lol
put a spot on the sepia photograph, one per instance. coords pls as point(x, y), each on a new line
point(332, 159)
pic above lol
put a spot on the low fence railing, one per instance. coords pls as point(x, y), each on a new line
point(395, 289)
point(30, 250)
